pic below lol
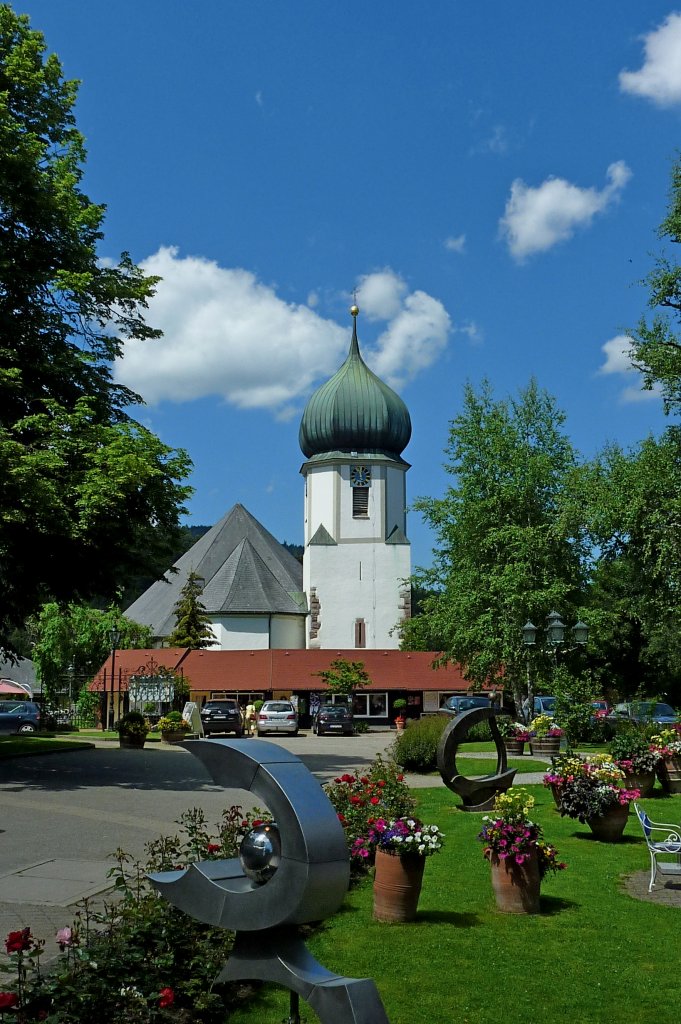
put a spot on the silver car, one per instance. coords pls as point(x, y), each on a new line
point(277, 716)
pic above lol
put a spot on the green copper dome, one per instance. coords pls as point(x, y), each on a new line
point(355, 412)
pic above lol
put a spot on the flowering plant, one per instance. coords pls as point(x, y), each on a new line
point(667, 742)
point(563, 767)
point(173, 722)
point(404, 836)
point(633, 752)
point(510, 834)
point(360, 800)
point(513, 730)
point(132, 723)
point(542, 726)
point(594, 789)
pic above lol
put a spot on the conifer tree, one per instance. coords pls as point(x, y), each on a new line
point(192, 624)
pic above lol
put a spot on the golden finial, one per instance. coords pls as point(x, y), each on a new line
point(354, 308)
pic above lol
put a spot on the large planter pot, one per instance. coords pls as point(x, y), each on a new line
point(174, 736)
point(609, 827)
point(514, 747)
point(131, 742)
point(640, 780)
point(516, 886)
point(397, 886)
point(547, 746)
point(669, 774)
point(555, 790)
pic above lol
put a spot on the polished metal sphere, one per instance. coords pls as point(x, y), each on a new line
point(260, 852)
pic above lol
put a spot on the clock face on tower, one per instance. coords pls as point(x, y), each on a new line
point(360, 476)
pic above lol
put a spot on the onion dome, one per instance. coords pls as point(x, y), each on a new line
point(355, 411)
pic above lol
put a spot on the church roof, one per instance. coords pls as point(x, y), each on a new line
point(354, 412)
point(244, 569)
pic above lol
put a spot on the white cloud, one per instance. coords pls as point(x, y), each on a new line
point(227, 334)
point(455, 244)
point(659, 79)
point(473, 332)
point(380, 295)
point(538, 218)
point(618, 360)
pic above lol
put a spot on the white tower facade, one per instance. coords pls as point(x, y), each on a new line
point(357, 558)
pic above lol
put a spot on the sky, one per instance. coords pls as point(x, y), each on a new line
point(489, 177)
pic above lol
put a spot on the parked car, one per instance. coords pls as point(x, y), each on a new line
point(332, 718)
point(643, 711)
point(277, 716)
point(222, 716)
point(601, 708)
point(19, 716)
point(456, 704)
point(544, 706)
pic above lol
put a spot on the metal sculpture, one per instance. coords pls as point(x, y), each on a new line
point(293, 873)
point(477, 794)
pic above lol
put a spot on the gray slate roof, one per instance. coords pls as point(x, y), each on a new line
point(245, 572)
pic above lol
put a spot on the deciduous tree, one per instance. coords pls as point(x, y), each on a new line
point(88, 497)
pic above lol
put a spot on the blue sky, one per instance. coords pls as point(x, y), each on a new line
point(489, 176)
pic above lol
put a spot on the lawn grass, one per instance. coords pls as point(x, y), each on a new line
point(20, 746)
point(472, 766)
point(593, 955)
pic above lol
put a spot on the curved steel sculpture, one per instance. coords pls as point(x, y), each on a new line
point(477, 794)
point(309, 883)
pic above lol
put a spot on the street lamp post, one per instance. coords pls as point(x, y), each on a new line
point(114, 637)
point(555, 638)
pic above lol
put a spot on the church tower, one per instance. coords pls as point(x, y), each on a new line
point(357, 559)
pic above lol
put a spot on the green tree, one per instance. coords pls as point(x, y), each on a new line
point(574, 711)
point(506, 550)
point(656, 346)
point(75, 641)
point(88, 497)
point(344, 677)
point(192, 624)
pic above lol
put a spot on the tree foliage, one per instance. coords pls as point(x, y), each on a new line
point(505, 550)
point(192, 624)
point(75, 641)
point(87, 495)
point(344, 677)
point(656, 346)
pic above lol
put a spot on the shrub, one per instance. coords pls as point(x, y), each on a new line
point(360, 799)
point(416, 748)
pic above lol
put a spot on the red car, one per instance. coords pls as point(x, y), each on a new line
point(601, 708)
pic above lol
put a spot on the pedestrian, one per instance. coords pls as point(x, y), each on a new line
point(250, 718)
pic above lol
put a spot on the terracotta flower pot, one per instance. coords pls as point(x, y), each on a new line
point(555, 790)
point(546, 746)
point(514, 747)
point(397, 886)
point(669, 774)
point(173, 736)
point(516, 886)
point(641, 780)
point(609, 827)
point(131, 742)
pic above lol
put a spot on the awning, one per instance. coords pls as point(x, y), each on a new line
point(16, 689)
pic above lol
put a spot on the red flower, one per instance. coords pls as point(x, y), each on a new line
point(381, 782)
point(256, 822)
point(166, 997)
point(341, 818)
point(400, 778)
point(8, 999)
point(347, 778)
point(213, 847)
point(375, 800)
point(17, 942)
point(355, 800)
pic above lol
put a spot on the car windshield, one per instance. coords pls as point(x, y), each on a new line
point(648, 708)
point(220, 705)
point(278, 707)
point(334, 711)
point(548, 703)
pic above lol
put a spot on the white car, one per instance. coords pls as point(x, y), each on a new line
point(277, 716)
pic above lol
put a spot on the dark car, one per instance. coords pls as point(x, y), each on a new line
point(643, 711)
point(455, 705)
point(19, 716)
point(333, 718)
point(222, 716)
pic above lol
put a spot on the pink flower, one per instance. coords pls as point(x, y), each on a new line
point(64, 937)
